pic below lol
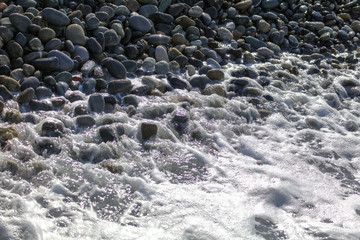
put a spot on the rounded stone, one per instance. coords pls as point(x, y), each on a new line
point(224, 34)
point(26, 96)
point(140, 23)
point(161, 54)
point(162, 67)
point(244, 5)
point(355, 25)
point(85, 121)
point(158, 39)
point(55, 17)
point(75, 33)
point(65, 62)
point(46, 34)
point(195, 12)
point(116, 68)
point(148, 130)
point(10, 83)
point(20, 21)
point(215, 74)
point(119, 86)
point(97, 103)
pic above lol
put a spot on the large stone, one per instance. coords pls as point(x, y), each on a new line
point(158, 39)
point(75, 33)
point(115, 68)
point(119, 86)
point(5, 93)
point(26, 96)
point(85, 121)
point(244, 5)
point(55, 17)
point(148, 130)
point(65, 62)
point(20, 21)
point(215, 74)
point(199, 82)
point(225, 34)
point(112, 39)
point(46, 34)
point(46, 64)
point(140, 23)
point(10, 83)
point(254, 42)
point(270, 4)
point(161, 54)
point(355, 25)
point(97, 103)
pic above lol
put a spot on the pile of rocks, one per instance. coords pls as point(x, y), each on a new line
point(92, 47)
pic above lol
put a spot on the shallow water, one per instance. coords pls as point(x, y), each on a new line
point(227, 173)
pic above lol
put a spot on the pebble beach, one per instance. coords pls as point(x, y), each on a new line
point(179, 119)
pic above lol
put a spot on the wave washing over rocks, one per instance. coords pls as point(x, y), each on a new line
point(170, 119)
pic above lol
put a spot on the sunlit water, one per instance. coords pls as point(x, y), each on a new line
point(231, 173)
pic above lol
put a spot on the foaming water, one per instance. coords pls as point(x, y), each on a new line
point(282, 167)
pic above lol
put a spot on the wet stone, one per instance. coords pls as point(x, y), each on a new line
point(107, 134)
point(97, 103)
point(85, 121)
point(43, 92)
point(8, 133)
point(119, 86)
point(52, 128)
point(26, 96)
point(116, 68)
point(81, 109)
point(47, 146)
point(10, 83)
point(148, 130)
point(162, 67)
point(38, 105)
point(13, 116)
point(215, 74)
point(199, 82)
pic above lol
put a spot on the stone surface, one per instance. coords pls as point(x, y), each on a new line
point(148, 130)
point(55, 17)
point(10, 83)
point(215, 74)
point(75, 33)
point(116, 68)
point(140, 23)
point(119, 86)
point(20, 22)
point(65, 62)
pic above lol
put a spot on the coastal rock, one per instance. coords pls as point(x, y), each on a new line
point(244, 5)
point(75, 33)
point(55, 17)
point(148, 130)
point(215, 74)
point(65, 62)
point(20, 21)
point(116, 68)
point(97, 103)
point(140, 23)
point(10, 83)
point(119, 86)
